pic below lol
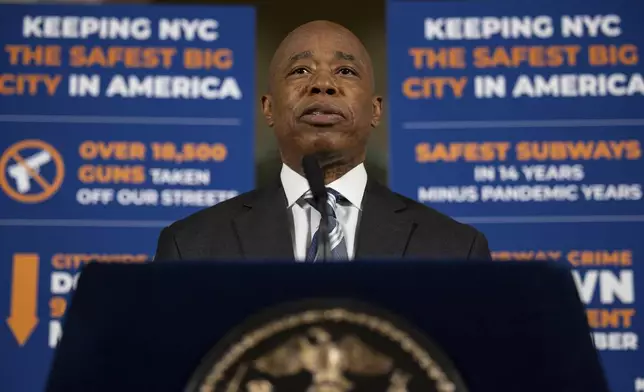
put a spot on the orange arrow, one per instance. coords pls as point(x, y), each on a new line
point(24, 296)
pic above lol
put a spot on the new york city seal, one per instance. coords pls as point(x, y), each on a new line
point(326, 346)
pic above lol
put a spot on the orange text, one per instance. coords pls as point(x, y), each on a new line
point(129, 57)
point(610, 318)
point(438, 58)
point(72, 261)
point(194, 58)
point(124, 151)
point(600, 55)
point(57, 307)
point(433, 87)
point(580, 150)
point(533, 56)
point(28, 84)
point(40, 55)
point(111, 174)
point(468, 152)
point(586, 258)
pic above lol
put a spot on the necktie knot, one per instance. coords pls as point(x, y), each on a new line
point(337, 243)
point(333, 197)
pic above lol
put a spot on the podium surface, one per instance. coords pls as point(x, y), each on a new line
point(504, 326)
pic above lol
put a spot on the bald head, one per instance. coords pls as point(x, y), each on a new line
point(311, 32)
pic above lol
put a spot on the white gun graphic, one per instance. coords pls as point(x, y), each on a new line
point(20, 173)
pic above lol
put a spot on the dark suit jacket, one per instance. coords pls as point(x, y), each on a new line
point(256, 225)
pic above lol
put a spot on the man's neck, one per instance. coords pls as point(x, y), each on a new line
point(332, 168)
point(332, 173)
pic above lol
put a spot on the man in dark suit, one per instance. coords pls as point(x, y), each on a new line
point(321, 101)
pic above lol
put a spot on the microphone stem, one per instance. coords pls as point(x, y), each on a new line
point(324, 232)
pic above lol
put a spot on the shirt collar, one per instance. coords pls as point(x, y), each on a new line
point(351, 185)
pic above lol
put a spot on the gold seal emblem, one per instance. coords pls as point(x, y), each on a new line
point(326, 346)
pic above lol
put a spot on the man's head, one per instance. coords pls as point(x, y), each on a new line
point(321, 95)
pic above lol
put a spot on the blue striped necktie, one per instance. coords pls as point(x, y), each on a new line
point(337, 242)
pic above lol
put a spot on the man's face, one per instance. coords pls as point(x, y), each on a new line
point(322, 95)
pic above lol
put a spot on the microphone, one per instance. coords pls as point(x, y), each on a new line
point(315, 177)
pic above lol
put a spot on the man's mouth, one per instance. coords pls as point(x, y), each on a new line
point(322, 115)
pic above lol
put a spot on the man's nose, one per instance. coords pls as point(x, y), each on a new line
point(323, 84)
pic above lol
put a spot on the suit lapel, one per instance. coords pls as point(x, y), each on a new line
point(264, 230)
point(384, 231)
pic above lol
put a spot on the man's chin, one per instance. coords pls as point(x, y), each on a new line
point(321, 129)
point(323, 146)
point(323, 140)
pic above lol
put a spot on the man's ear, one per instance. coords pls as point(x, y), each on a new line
point(267, 109)
point(377, 111)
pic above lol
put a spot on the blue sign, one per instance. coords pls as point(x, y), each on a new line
point(116, 121)
point(525, 120)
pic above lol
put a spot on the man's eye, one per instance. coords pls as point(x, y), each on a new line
point(347, 71)
point(299, 71)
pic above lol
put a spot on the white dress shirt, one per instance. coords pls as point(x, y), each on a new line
point(306, 219)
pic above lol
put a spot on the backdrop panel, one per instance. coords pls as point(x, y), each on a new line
point(526, 121)
point(607, 267)
point(39, 274)
point(116, 120)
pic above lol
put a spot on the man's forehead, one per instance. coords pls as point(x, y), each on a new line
point(320, 39)
point(321, 44)
point(312, 54)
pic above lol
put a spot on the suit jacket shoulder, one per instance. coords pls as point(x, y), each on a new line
point(192, 237)
point(226, 209)
point(425, 214)
point(434, 234)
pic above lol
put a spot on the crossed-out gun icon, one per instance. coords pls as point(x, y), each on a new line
point(21, 171)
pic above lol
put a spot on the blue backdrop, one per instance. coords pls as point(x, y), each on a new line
point(520, 119)
point(115, 122)
point(525, 120)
